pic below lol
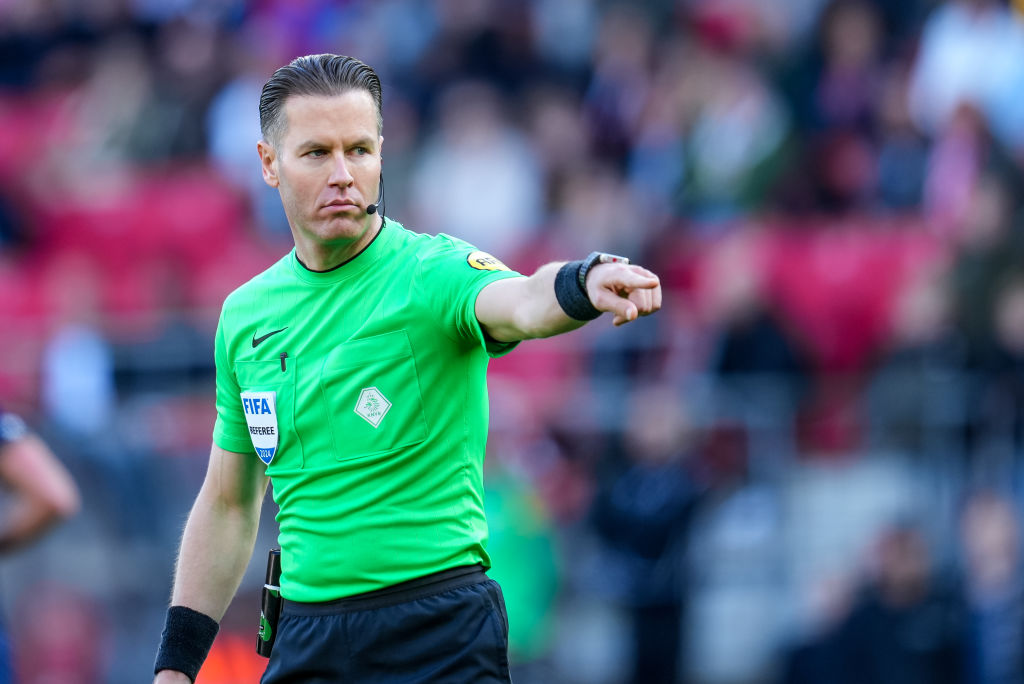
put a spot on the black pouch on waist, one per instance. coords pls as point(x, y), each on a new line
point(270, 609)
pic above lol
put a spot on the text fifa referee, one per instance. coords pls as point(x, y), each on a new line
point(352, 375)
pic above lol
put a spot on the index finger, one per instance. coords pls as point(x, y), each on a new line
point(636, 277)
point(643, 271)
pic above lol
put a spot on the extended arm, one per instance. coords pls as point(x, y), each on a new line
point(525, 308)
point(42, 490)
point(219, 538)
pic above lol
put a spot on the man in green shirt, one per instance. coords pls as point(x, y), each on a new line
point(352, 374)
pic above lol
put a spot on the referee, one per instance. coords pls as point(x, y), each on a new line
point(352, 375)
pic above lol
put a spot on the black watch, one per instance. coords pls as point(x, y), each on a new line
point(593, 259)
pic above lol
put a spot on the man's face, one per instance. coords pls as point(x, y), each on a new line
point(326, 165)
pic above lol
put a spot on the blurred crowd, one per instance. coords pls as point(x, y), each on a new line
point(806, 468)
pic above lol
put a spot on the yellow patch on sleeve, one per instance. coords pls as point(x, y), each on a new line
point(482, 261)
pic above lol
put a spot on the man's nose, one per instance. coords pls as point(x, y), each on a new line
point(339, 172)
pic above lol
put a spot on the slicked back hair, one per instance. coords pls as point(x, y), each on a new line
point(326, 75)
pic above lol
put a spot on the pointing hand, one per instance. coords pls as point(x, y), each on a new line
point(626, 290)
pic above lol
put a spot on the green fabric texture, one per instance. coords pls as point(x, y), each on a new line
point(381, 409)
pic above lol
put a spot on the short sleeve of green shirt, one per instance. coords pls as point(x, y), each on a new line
point(230, 431)
point(450, 277)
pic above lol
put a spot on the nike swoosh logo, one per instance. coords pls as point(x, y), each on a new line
point(257, 340)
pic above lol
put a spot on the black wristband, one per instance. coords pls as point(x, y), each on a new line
point(186, 641)
point(571, 296)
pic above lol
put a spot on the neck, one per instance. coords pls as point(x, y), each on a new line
point(328, 256)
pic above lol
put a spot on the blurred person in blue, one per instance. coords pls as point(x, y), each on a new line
point(990, 539)
point(41, 494)
point(814, 657)
point(906, 626)
point(643, 515)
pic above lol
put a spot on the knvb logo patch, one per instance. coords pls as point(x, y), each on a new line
point(372, 406)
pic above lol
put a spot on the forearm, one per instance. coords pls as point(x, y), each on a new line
point(42, 492)
point(524, 308)
point(25, 521)
point(215, 551)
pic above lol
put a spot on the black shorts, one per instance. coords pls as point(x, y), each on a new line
point(447, 627)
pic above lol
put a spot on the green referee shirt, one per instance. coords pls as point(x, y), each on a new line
point(364, 391)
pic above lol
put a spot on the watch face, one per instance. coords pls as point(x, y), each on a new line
point(599, 258)
point(611, 259)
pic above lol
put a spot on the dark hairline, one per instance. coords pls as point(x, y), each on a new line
point(317, 75)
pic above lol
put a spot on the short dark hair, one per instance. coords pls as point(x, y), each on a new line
point(325, 74)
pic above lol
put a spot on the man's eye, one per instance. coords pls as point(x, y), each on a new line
point(362, 150)
point(316, 153)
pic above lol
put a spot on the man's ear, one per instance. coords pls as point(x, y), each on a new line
point(267, 158)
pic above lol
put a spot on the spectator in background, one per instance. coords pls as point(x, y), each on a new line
point(990, 539)
point(78, 363)
point(589, 206)
point(104, 139)
point(832, 89)
point(187, 72)
point(916, 393)
point(42, 493)
point(753, 352)
point(521, 543)
point(1002, 398)
point(737, 130)
point(643, 515)
point(620, 80)
point(972, 51)
point(554, 131)
point(563, 33)
point(656, 165)
point(41, 489)
point(233, 124)
point(477, 178)
point(989, 249)
point(902, 151)
point(905, 628)
point(817, 658)
point(835, 83)
point(955, 166)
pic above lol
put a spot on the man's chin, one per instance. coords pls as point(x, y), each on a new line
point(344, 227)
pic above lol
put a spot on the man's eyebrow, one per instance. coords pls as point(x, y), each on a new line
point(360, 142)
point(364, 142)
